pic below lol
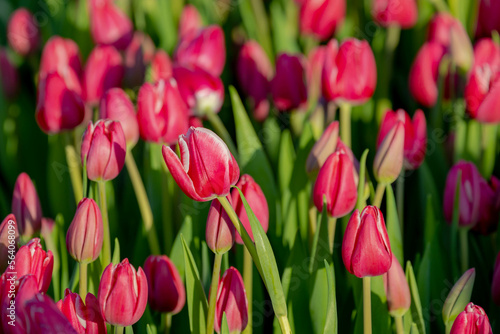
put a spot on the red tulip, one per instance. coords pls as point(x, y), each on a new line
point(254, 70)
point(206, 169)
point(495, 285)
point(9, 77)
point(189, 23)
point(85, 317)
point(388, 161)
point(403, 13)
point(32, 259)
point(257, 202)
point(103, 148)
point(161, 112)
point(365, 249)
point(473, 320)
point(14, 297)
point(9, 237)
point(45, 318)
point(26, 206)
point(232, 300)
point(61, 55)
point(323, 148)
point(314, 71)
point(321, 18)
point(288, 88)
point(487, 20)
point(219, 232)
point(23, 32)
point(161, 66)
point(116, 105)
point(397, 289)
point(123, 294)
point(205, 50)
point(137, 55)
point(109, 25)
point(349, 72)
point(166, 292)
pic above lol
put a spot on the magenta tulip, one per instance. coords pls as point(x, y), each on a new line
point(189, 23)
point(161, 66)
point(45, 318)
point(137, 55)
point(85, 317)
point(231, 300)
point(321, 18)
point(61, 55)
point(31, 259)
point(9, 79)
point(288, 87)
point(473, 320)
point(487, 20)
point(23, 32)
point(26, 206)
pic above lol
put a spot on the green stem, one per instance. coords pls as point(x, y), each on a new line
point(400, 198)
point(213, 293)
point(82, 284)
point(119, 329)
point(259, 12)
point(106, 245)
point(221, 130)
point(73, 166)
point(399, 325)
point(367, 306)
point(167, 210)
point(142, 200)
point(168, 322)
point(379, 194)
point(332, 222)
point(464, 248)
point(345, 123)
point(248, 280)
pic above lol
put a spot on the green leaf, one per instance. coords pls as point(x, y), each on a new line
point(320, 249)
point(362, 180)
point(414, 329)
point(416, 306)
point(224, 325)
point(331, 324)
point(458, 298)
point(115, 259)
point(393, 229)
point(177, 251)
point(149, 330)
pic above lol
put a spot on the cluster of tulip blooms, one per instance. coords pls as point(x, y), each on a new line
point(297, 150)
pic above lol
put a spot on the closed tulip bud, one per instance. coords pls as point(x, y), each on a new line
point(103, 70)
point(219, 232)
point(26, 206)
point(109, 25)
point(189, 23)
point(9, 77)
point(123, 294)
point(254, 70)
point(23, 33)
point(206, 50)
point(137, 55)
point(161, 112)
point(201, 91)
point(85, 234)
point(116, 105)
point(349, 71)
point(288, 88)
point(469, 201)
point(206, 168)
point(495, 285)
point(60, 55)
point(388, 161)
point(323, 148)
point(86, 317)
point(257, 202)
point(161, 66)
point(232, 300)
point(473, 320)
point(397, 289)
point(321, 18)
point(43, 317)
point(403, 13)
point(31, 259)
point(103, 149)
point(9, 238)
point(487, 20)
point(365, 249)
point(166, 292)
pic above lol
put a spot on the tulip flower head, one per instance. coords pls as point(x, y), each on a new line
point(26, 206)
point(23, 32)
point(45, 318)
point(109, 25)
point(472, 320)
point(161, 66)
point(288, 87)
point(232, 300)
point(9, 79)
point(403, 13)
point(321, 18)
point(397, 289)
point(190, 22)
point(85, 317)
point(220, 230)
point(61, 55)
point(389, 159)
point(487, 20)
point(31, 259)
point(9, 238)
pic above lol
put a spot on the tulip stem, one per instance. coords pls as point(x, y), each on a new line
point(345, 123)
point(73, 166)
point(106, 245)
point(221, 130)
point(332, 223)
point(367, 306)
point(213, 293)
point(168, 230)
point(168, 322)
point(379, 194)
point(119, 329)
point(464, 248)
point(400, 198)
point(399, 325)
point(83, 280)
point(142, 200)
point(248, 280)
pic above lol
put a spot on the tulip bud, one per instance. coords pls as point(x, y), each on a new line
point(9, 238)
point(219, 232)
point(470, 194)
point(45, 318)
point(85, 318)
point(473, 320)
point(32, 259)
point(397, 289)
point(495, 285)
point(161, 66)
point(459, 293)
point(9, 77)
point(109, 25)
point(166, 292)
point(288, 88)
point(349, 72)
point(123, 294)
point(61, 55)
point(103, 71)
point(138, 53)
point(321, 18)
point(488, 211)
point(254, 70)
point(190, 22)
point(161, 112)
point(323, 148)
point(206, 50)
point(365, 249)
point(23, 33)
point(26, 206)
point(403, 13)
point(206, 169)
point(232, 300)
point(388, 161)
point(103, 148)
point(314, 71)
point(116, 105)
point(487, 20)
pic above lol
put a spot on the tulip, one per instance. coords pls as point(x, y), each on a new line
point(321, 18)
point(288, 88)
point(45, 318)
point(61, 55)
point(403, 13)
point(137, 55)
point(469, 202)
point(166, 292)
point(25, 289)
point(365, 249)
point(103, 71)
point(103, 149)
point(206, 50)
point(232, 300)
point(495, 285)
point(85, 318)
point(23, 32)
point(189, 23)
point(201, 91)
point(116, 105)
point(161, 112)
point(109, 25)
point(26, 206)
point(314, 71)
point(161, 66)
point(323, 148)
point(219, 230)
point(349, 71)
point(123, 294)
point(388, 161)
point(473, 320)
point(32, 259)
point(9, 238)
point(9, 77)
point(397, 289)
point(206, 169)
point(254, 70)
point(489, 210)
point(487, 20)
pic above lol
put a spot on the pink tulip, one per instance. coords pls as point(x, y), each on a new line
point(137, 55)
point(23, 32)
point(206, 169)
point(161, 66)
point(32, 259)
point(45, 318)
point(232, 300)
point(61, 55)
point(288, 88)
point(219, 232)
point(166, 292)
point(397, 289)
point(189, 23)
point(487, 20)
point(13, 302)
point(388, 161)
point(495, 285)
point(9, 77)
point(314, 71)
point(403, 13)
point(473, 320)
point(26, 206)
point(86, 317)
point(323, 148)
point(109, 25)
point(9, 238)
point(321, 18)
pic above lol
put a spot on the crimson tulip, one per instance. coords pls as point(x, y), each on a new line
point(231, 300)
point(85, 317)
point(137, 55)
point(109, 25)
point(23, 32)
point(489, 207)
point(31, 259)
point(9, 238)
point(26, 206)
point(45, 318)
point(13, 302)
point(321, 18)
point(288, 88)
point(473, 320)
point(219, 232)
point(403, 13)
point(487, 18)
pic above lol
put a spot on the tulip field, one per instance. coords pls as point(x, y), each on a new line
point(250, 166)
